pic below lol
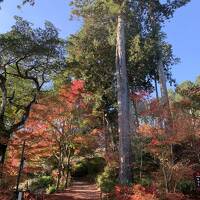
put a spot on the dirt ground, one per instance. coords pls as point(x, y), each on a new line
point(78, 191)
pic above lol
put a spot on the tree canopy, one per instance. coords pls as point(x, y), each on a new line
point(29, 59)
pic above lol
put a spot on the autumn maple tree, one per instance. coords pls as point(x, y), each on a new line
point(57, 129)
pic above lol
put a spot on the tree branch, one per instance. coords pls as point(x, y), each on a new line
point(4, 96)
point(25, 116)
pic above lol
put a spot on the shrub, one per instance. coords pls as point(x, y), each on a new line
point(95, 165)
point(135, 192)
point(40, 183)
point(44, 181)
point(107, 180)
point(146, 182)
point(51, 189)
point(186, 186)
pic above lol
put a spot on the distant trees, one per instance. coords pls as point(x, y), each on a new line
point(172, 167)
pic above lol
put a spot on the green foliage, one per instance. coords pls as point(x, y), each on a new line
point(30, 58)
point(96, 165)
point(45, 180)
point(187, 97)
point(107, 180)
point(186, 186)
point(91, 51)
point(41, 183)
point(80, 169)
point(88, 167)
point(146, 182)
point(51, 189)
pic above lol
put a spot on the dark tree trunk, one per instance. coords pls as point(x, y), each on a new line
point(105, 128)
point(59, 169)
point(20, 167)
point(68, 169)
point(3, 98)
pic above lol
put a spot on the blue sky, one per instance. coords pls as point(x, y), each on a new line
point(183, 31)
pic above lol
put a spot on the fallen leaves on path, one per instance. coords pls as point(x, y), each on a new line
point(78, 191)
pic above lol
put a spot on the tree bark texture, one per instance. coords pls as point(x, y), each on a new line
point(123, 105)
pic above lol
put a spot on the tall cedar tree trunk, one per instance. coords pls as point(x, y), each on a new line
point(123, 105)
point(159, 120)
point(164, 103)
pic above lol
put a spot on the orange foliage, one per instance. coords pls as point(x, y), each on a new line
point(139, 96)
point(52, 121)
point(38, 147)
point(6, 195)
point(150, 131)
point(176, 196)
point(136, 192)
